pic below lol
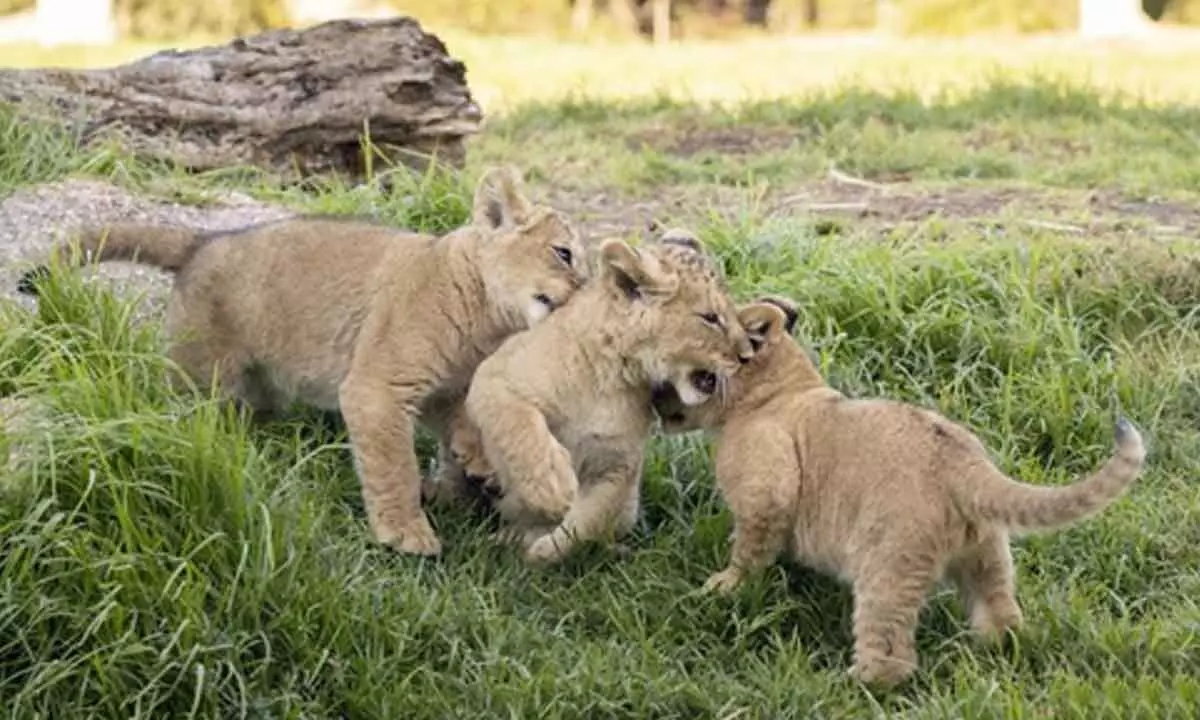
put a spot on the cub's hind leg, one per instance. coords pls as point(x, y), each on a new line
point(889, 592)
point(983, 573)
point(209, 354)
point(463, 476)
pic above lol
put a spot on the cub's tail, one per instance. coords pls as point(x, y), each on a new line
point(162, 246)
point(1031, 508)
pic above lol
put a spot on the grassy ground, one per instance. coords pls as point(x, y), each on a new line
point(1020, 256)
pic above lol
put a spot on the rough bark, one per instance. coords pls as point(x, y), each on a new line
point(293, 102)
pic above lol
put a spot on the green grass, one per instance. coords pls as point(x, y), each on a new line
point(1047, 132)
point(160, 557)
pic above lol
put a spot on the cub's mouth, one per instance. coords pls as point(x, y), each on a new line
point(703, 381)
point(540, 307)
point(666, 403)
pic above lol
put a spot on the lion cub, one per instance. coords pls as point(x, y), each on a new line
point(885, 495)
point(384, 325)
point(563, 410)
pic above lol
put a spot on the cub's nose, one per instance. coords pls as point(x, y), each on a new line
point(745, 350)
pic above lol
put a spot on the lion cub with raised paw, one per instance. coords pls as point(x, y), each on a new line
point(386, 326)
point(885, 495)
point(563, 411)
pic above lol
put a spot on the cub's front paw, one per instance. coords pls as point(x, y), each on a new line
point(882, 672)
point(724, 582)
point(474, 465)
point(413, 538)
point(547, 550)
point(489, 484)
point(553, 490)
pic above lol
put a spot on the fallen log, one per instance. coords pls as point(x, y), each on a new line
point(292, 102)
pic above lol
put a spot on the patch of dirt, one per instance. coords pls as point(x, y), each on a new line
point(888, 204)
point(33, 219)
point(1011, 142)
point(872, 204)
point(609, 213)
point(1166, 213)
point(1078, 212)
point(688, 141)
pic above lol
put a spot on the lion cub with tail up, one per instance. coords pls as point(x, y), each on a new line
point(384, 325)
point(563, 411)
point(885, 495)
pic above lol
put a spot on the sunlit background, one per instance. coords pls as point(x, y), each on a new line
point(705, 50)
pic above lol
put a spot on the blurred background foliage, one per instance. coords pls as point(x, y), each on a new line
point(170, 19)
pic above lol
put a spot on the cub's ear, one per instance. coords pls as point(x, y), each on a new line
point(636, 273)
point(764, 323)
point(787, 306)
point(500, 199)
point(683, 238)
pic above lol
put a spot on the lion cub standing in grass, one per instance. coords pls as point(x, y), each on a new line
point(886, 495)
point(384, 325)
point(564, 410)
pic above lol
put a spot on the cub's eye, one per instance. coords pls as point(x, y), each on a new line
point(711, 319)
point(564, 254)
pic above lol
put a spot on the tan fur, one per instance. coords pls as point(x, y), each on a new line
point(168, 248)
point(885, 495)
point(564, 410)
point(385, 325)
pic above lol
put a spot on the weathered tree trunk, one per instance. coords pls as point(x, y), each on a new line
point(289, 101)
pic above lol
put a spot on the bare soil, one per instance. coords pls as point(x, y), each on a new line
point(874, 205)
point(689, 140)
point(32, 219)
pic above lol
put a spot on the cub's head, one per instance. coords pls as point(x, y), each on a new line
point(767, 321)
point(676, 312)
point(533, 258)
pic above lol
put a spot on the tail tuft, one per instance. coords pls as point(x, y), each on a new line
point(1124, 429)
point(30, 279)
point(1129, 441)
